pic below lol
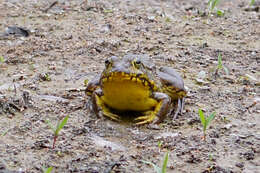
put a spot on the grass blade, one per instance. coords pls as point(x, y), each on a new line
point(202, 117)
point(226, 70)
point(252, 2)
point(61, 125)
point(212, 4)
point(155, 167)
point(203, 121)
point(2, 59)
point(4, 133)
point(220, 61)
point(220, 13)
point(209, 2)
point(215, 3)
point(48, 170)
point(210, 118)
point(165, 161)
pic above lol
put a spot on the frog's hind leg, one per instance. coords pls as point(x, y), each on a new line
point(111, 116)
point(160, 111)
point(148, 117)
point(179, 110)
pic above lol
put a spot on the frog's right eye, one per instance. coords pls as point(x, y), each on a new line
point(107, 62)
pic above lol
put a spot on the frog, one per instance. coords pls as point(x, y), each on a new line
point(133, 83)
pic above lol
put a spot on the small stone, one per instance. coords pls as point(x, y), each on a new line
point(166, 135)
point(101, 142)
point(240, 165)
point(201, 75)
point(228, 126)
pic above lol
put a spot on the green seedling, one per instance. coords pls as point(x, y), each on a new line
point(47, 77)
point(252, 2)
point(4, 133)
point(220, 13)
point(47, 170)
point(108, 11)
point(220, 65)
point(167, 19)
point(164, 166)
point(160, 144)
point(210, 157)
point(212, 6)
point(205, 121)
point(56, 130)
point(2, 59)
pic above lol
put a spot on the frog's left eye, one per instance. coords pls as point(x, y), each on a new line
point(137, 63)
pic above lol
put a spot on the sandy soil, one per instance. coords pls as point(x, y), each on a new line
point(42, 78)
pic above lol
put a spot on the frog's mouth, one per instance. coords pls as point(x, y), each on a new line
point(128, 92)
point(123, 77)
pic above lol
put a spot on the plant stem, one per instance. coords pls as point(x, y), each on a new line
point(54, 141)
point(204, 136)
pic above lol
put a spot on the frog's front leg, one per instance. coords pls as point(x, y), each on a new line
point(93, 85)
point(99, 106)
point(173, 85)
point(160, 111)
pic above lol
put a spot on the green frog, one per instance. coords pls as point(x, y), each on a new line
point(134, 84)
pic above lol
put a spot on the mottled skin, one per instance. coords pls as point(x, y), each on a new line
point(133, 83)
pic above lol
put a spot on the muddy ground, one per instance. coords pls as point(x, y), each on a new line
point(42, 78)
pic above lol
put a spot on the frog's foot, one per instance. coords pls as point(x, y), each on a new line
point(111, 115)
point(100, 108)
point(150, 116)
point(179, 109)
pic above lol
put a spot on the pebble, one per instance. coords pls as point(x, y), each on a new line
point(166, 135)
point(101, 142)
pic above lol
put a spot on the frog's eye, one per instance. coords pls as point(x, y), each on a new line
point(107, 62)
point(137, 63)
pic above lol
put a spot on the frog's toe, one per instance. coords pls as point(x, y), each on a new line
point(145, 119)
point(112, 116)
point(179, 108)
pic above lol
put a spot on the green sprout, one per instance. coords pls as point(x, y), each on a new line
point(252, 2)
point(211, 157)
point(164, 166)
point(167, 19)
point(4, 133)
point(220, 65)
point(212, 6)
point(160, 144)
point(56, 130)
point(47, 170)
point(220, 13)
point(47, 77)
point(205, 121)
point(2, 59)
point(108, 11)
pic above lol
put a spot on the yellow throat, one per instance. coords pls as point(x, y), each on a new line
point(124, 92)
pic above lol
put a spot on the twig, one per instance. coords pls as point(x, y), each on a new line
point(50, 6)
